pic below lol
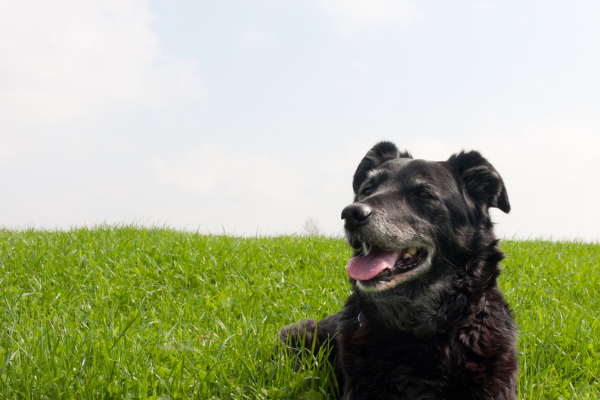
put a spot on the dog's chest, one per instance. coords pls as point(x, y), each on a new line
point(372, 352)
point(393, 363)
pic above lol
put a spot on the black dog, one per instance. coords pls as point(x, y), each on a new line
point(426, 319)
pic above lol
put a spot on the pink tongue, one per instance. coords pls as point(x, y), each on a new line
point(367, 267)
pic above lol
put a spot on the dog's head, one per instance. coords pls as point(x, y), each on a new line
point(409, 215)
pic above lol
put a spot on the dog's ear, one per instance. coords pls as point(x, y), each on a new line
point(482, 181)
point(380, 153)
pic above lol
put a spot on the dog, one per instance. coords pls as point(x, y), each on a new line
point(426, 319)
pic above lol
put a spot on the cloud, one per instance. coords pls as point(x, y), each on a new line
point(237, 191)
point(251, 38)
point(211, 170)
point(548, 166)
point(68, 60)
point(223, 189)
point(351, 16)
point(359, 65)
point(74, 76)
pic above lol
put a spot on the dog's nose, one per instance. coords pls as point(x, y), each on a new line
point(356, 215)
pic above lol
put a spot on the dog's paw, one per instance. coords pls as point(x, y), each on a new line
point(299, 336)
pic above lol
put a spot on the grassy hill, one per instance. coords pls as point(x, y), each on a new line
point(133, 313)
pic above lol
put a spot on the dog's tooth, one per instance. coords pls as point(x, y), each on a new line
point(409, 253)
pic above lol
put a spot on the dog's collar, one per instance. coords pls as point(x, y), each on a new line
point(361, 318)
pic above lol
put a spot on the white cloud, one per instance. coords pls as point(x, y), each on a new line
point(353, 15)
point(238, 191)
point(361, 66)
point(251, 38)
point(211, 170)
point(232, 190)
point(428, 148)
point(549, 168)
point(67, 60)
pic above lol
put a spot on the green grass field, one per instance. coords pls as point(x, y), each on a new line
point(132, 313)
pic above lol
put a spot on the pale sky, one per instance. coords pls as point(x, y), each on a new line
point(250, 116)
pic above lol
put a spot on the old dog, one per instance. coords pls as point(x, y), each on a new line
point(426, 319)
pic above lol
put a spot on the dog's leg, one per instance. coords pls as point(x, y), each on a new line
point(312, 336)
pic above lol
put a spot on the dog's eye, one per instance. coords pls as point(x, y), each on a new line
point(423, 194)
point(367, 191)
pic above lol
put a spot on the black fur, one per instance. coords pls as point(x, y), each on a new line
point(444, 332)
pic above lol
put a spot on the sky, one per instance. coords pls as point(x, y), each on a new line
point(249, 117)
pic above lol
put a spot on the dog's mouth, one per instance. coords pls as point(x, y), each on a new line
point(384, 266)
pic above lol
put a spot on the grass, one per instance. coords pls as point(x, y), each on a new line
point(135, 313)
